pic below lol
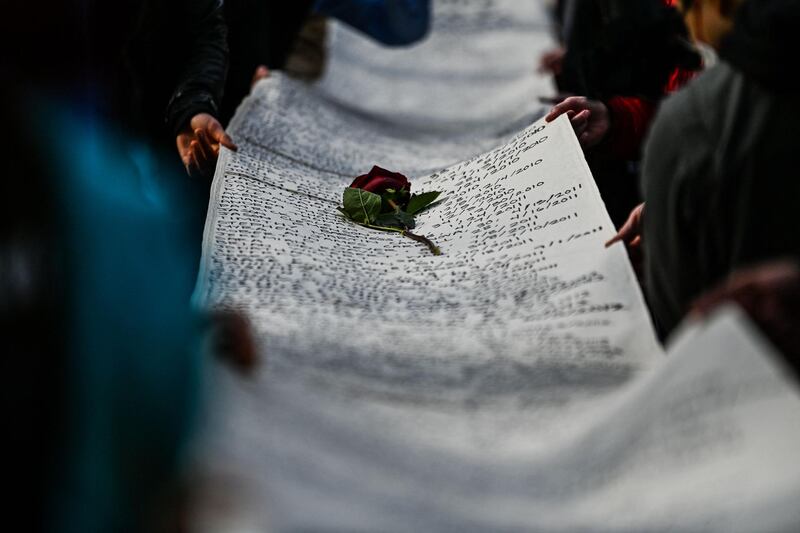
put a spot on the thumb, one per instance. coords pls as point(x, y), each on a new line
point(261, 72)
point(217, 132)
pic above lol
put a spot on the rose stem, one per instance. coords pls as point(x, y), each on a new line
point(419, 238)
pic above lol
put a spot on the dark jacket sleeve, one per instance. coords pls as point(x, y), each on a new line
point(682, 215)
point(202, 79)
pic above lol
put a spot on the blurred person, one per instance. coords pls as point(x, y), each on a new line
point(622, 61)
point(32, 298)
point(103, 364)
point(104, 356)
point(262, 33)
point(552, 60)
point(621, 57)
point(623, 47)
point(718, 164)
point(103, 353)
point(260, 36)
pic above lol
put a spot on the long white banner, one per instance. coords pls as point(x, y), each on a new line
point(511, 384)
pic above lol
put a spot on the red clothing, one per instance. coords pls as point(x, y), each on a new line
point(631, 117)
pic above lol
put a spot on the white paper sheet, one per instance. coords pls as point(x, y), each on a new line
point(524, 295)
point(705, 441)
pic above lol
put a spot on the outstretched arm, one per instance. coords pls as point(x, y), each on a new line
point(192, 110)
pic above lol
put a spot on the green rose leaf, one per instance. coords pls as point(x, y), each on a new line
point(388, 220)
point(418, 202)
point(397, 219)
point(360, 205)
point(405, 219)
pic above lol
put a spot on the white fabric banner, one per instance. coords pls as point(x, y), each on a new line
point(511, 384)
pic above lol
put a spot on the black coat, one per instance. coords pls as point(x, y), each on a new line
point(146, 65)
point(261, 32)
point(622, 47)
point(177, 60)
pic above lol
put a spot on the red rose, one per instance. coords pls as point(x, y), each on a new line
point(379, 179)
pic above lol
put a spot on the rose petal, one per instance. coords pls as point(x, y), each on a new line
point(379, 179)
point(380, 184)
point(359, 182)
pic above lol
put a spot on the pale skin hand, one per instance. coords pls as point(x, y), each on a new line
point(552, 61)
point(590, 118)
point(768, 292)
point(631, 234)
point(260, 73)
point(233, 339)
point(199, 144)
